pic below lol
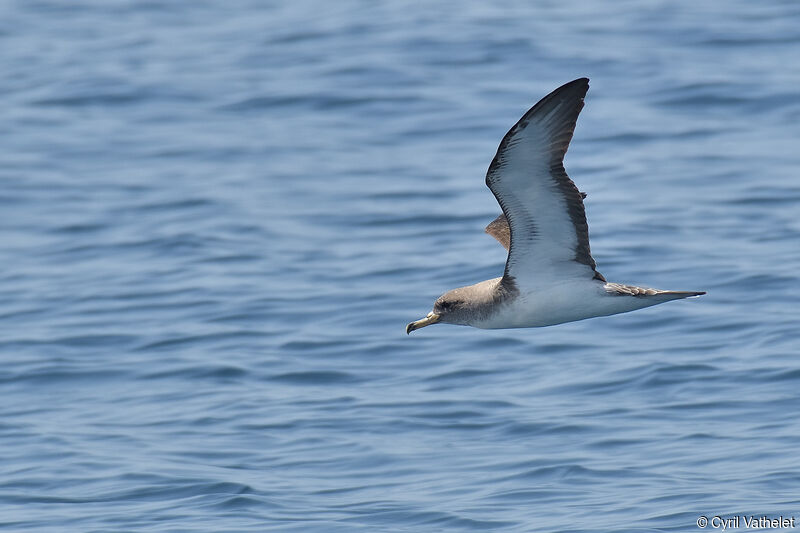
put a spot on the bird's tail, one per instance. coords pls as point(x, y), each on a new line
point(654, 294)
point(666, 296)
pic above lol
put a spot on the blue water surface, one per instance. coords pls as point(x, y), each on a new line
point(217, 218)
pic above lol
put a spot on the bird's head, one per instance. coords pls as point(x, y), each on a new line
point(448, 308)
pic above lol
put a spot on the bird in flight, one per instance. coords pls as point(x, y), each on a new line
point(550, 276)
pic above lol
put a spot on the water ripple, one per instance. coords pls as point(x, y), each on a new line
point(218, 218)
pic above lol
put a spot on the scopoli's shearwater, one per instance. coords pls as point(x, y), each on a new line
point(550, 276)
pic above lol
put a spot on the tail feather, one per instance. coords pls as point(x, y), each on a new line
point(644, 292)
point(684, 294)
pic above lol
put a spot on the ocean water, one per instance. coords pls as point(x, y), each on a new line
point(218, 217)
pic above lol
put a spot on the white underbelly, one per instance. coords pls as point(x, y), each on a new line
point(560, 303)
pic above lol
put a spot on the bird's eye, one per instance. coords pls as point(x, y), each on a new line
point(448, 305)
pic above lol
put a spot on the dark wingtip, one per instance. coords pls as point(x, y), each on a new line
point(580, 81)
point(581, 85)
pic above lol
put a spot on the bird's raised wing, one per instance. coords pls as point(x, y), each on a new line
point(498, 228)
point(549, 236)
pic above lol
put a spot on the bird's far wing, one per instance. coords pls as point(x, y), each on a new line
point(549, 236)
point(498, 228)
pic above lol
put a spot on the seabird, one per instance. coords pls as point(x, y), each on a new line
point(550, 276)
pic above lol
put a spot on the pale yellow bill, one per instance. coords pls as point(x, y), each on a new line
point(432, 318)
